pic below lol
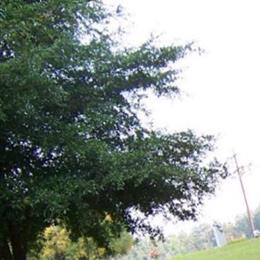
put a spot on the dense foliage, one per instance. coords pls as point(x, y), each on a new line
point(72, 148)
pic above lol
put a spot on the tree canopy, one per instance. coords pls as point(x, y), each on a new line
point(72, 147)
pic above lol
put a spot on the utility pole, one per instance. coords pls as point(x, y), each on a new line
point(250, 219)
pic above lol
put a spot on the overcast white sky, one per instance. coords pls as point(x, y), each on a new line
point(222, 93)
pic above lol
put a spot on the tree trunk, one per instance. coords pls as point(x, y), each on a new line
point(18, 244)
point(19, 253)
point(5, 253)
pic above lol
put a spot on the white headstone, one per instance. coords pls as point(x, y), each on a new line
point(219, 235)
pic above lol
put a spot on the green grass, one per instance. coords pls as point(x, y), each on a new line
point(241, 250)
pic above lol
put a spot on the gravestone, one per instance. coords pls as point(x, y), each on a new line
point(219, 235)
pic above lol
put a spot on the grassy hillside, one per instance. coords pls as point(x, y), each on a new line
point(242, 250)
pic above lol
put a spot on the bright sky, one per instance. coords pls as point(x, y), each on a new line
point(221, 87)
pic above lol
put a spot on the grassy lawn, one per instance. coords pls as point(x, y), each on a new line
point(243, 250)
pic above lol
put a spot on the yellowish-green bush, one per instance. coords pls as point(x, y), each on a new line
point(57, 245)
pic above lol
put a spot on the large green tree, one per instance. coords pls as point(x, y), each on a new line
point(72, 148)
